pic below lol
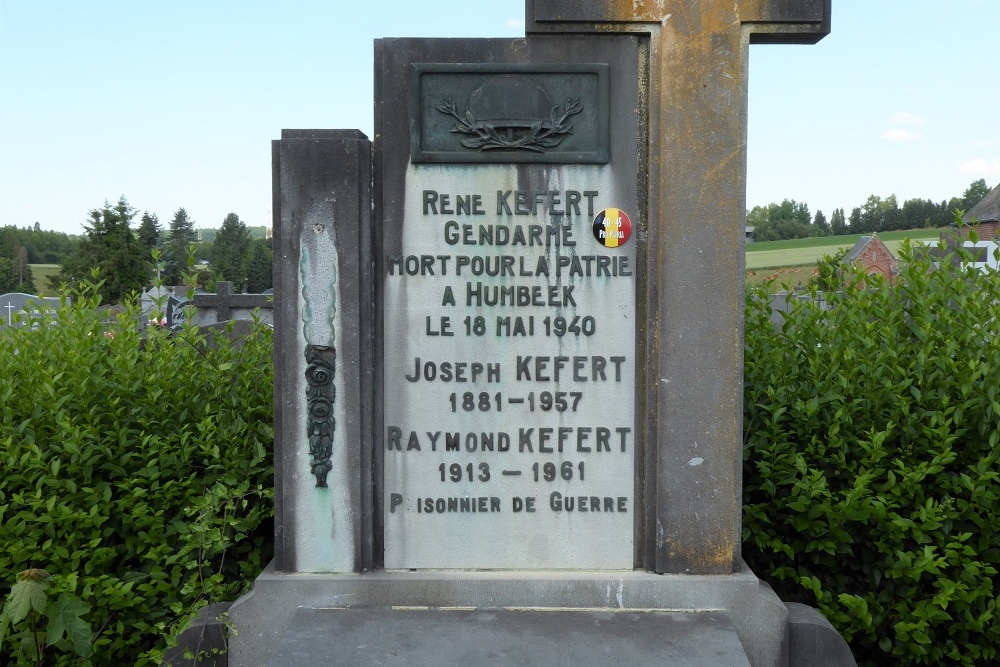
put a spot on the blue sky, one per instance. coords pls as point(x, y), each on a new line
point(175, 103)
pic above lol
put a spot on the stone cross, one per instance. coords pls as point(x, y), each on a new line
point(222, 300)
point(10, 308)
point(692, 389)
point(676, 120)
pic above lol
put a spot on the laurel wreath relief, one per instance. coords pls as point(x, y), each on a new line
point(542, 134)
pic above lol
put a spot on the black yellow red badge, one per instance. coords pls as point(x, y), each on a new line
point(612, 227)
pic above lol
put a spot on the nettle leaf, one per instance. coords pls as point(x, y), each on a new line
point(4, 627)
point(26, 595)
point(65, 620)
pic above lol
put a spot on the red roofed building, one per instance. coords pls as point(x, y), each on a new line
point(872, 255)
point(984, 217)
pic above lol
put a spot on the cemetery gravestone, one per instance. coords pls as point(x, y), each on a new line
point(224, 305)
point(509, 377)
point(16, 303)
point(177, 312)
point(509, 268)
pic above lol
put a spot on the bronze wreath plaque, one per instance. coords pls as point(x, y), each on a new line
point(501, 113)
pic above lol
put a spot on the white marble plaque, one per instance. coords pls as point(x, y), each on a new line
point(510, 367)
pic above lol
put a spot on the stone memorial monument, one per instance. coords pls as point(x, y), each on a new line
point(508, 356)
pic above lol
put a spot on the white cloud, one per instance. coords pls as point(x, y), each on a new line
point(899, 134)
point(906, 118)
point(517, 24)
point(981, 167)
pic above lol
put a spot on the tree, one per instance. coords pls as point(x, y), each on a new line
point(259, 267)
point(22, 271)
point(829, 271)
point(179, 239)
point(779, 230)
point(787, 220)
point(855, 221)
point(6, 276)
point(838, 223)
point(974, 194)
point(757, 216)
point(793, 210)
point(892, 216)
point(954, 204)
point(821, 225)
point(230, 251)
point(149, 230)
point(9, 280)
point(111, 247)
point(871, 219)
point(918, 213)
point(943, 215)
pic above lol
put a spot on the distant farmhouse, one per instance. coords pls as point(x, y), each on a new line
point(874, 258)
point(984, 218)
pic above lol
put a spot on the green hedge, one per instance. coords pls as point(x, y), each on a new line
point(871, 461)
point(136, 470)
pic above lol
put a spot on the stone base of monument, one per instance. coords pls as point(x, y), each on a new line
point(463, 638)
point(555, 618)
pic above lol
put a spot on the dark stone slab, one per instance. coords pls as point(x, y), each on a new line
point(203, 643)
point(261, 618)
point(813, 641)
point(446, 638)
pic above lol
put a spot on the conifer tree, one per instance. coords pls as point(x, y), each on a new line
point(229, 251)
point(149, 230)
point(179, 240)
point(112, 248)
point(838, 223)
point(259, 269)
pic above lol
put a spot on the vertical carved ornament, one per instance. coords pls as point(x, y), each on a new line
point(320, 394)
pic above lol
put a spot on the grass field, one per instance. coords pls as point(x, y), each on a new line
point(790, 262)
point(793, 262)
point(785, 278)
point(46, 277)
point(805, 252)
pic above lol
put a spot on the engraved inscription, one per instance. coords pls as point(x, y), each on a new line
point(509, 437)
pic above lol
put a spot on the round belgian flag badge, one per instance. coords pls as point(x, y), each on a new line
point(612, 227)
